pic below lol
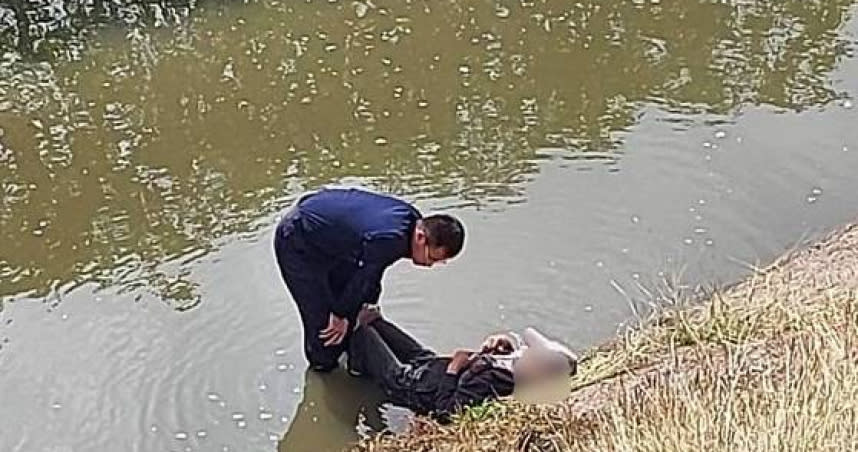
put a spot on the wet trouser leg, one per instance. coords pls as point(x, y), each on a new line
point(376, 359)
point(311, 292)
point(405, 347)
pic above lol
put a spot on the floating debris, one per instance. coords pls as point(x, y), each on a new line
point(361, 9)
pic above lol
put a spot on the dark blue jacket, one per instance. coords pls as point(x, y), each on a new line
point(358, 234)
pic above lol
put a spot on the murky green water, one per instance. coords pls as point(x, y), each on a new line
point(591, 147)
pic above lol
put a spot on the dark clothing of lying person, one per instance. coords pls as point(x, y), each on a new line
point(417, 378)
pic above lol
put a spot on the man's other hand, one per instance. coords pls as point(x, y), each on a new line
point(499, 344)
point(368, 314)
point(335, 332)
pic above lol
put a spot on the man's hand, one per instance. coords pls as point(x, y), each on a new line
point(499, 344)
point(459, 361)
point(335, 332)
point(368, 314)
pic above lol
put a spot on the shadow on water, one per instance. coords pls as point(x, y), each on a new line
point(330, 411)
point(136, 138)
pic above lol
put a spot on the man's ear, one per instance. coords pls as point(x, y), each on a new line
point(420, 235)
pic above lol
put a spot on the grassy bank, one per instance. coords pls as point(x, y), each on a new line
point(769, 364)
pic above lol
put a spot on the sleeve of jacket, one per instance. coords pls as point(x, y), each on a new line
point(459, 391)
point(373, 292)
point(365, 285)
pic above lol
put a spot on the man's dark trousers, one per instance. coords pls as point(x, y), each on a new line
point(392, 358)
point(303, 274)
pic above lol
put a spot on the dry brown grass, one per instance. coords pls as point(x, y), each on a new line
point(769, 364)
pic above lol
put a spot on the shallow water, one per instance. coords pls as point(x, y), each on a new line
point(590, 148)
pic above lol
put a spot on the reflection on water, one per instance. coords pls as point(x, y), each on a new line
point(132, 139)
point(332, 408)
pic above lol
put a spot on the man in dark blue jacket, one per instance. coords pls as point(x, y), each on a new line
point(333, 247)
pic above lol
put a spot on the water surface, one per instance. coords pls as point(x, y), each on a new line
point(590, 148)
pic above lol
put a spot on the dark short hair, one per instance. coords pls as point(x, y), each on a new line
point(445, 231)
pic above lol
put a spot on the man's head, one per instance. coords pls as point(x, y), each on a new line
point(436, 238)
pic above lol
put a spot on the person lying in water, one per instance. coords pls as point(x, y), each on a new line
point(417, 378)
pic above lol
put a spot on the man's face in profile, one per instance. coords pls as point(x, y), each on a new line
point(423, 254)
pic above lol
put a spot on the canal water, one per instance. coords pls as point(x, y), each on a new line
point(597, 152)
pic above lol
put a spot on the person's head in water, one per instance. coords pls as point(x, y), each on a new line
point(436, 239)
